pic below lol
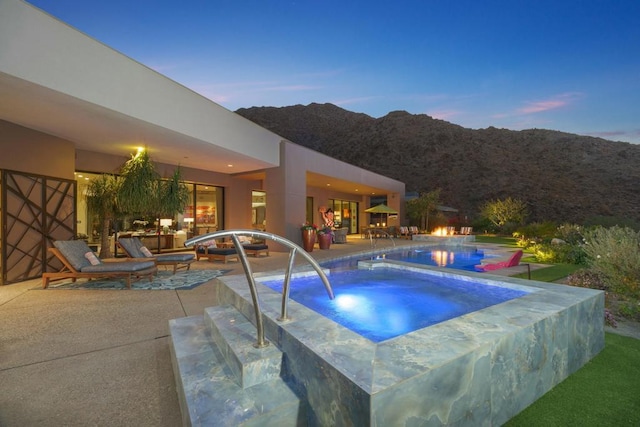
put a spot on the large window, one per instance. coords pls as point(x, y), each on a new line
point(204, 214)
point(310, 212)
point(259, 210)
point(345, 214)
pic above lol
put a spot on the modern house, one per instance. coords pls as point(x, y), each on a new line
point(72, 107)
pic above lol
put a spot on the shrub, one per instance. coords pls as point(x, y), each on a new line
point(534, 233)
point(483, 225)
point(563, 253)
point(593, 279)
point(609, 318)
point(539, 239)
point(610, 221)
point(588, 278)
point(573, 234)
point(615, 253)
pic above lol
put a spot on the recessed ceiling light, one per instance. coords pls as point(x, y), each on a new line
point(230, 165)
point(328, 185)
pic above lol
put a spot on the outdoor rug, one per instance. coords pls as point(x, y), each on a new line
point(164, 280)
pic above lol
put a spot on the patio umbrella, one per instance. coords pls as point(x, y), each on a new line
point(382, 209)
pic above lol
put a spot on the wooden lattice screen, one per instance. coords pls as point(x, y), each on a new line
point(35, 211)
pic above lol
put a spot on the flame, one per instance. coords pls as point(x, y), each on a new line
point(443, 258)
point(443, 231)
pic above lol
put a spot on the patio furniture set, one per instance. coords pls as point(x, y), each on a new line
point(79, 261)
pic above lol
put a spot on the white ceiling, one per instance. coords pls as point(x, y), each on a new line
point(94, 128)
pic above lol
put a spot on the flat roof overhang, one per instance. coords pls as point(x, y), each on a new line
point(343, 186)
point(56, 80)
point(329, 182)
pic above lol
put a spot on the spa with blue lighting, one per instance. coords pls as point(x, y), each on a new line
point(366, 359)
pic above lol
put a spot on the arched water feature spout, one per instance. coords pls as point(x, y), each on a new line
point(261, 342)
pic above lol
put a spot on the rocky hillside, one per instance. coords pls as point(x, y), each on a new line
point(562, 176)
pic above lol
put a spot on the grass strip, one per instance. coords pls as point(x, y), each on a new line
point(552, 273)
point(604, 392)
point(496, 240)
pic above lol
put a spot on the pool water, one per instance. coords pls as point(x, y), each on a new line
point(459, 258)
point(384, 303)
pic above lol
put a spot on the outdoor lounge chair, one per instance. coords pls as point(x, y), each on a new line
point(340, 235)
point(134, 248)
point(514, 261)
point(466, 230)
point(79, 261)
point(256, 249)
point(213, 252)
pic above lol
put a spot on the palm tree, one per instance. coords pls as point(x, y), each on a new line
point(144, 192)
point(102, 199)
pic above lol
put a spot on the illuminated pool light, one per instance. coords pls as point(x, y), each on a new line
point(381, 304)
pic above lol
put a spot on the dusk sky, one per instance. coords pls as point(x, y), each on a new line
point(572, 66)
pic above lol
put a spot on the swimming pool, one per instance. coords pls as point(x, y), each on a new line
point(381, 303)
point(457, 257)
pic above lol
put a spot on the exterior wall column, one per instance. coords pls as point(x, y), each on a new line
point(286, 189)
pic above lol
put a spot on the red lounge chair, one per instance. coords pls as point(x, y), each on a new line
point(514, 261)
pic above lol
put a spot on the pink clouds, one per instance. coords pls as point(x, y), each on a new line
point(537, 107)
point(553, 103)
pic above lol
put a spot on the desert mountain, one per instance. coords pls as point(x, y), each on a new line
point(562, 176)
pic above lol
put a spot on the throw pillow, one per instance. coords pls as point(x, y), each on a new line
point(146, 252)
point(92, 258)
point(244, 240)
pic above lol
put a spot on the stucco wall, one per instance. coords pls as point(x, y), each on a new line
point(26, 150)
point(287, 189)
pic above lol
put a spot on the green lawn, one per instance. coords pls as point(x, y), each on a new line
point(552, 273)
point(605, 392)
point(498, 240)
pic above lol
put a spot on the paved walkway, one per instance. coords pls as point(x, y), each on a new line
point(101, 357)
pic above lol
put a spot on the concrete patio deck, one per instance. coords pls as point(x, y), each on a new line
point(100, 357)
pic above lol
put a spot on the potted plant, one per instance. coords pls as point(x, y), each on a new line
point(325, 235)
point(308, 236)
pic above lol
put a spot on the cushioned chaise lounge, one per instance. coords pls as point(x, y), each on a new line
point(134, 248)
point(513, 261)
point(79, 261)
point(213, 253)
point(256, 249)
